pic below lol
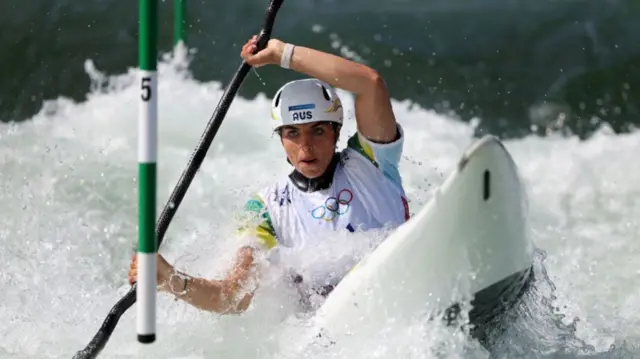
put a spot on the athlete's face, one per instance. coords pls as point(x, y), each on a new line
point(309, 147)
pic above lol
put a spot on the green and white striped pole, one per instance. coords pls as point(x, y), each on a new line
point(147, 151)
point(179, 21)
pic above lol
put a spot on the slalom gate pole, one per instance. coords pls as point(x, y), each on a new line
point(149, 101)
point(179, 22)
point(147, 156)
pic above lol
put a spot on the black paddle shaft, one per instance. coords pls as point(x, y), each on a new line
point(104, 333)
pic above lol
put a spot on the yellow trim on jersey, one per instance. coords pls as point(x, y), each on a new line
point(367, 149)
point(265, 235)
point(264, 232)
point(363, 147)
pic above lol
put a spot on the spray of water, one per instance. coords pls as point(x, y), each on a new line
point(69, 215)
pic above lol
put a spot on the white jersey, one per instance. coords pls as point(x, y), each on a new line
point(366, 193)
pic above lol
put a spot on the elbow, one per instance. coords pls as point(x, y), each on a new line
point(243, 305)
point(375, 83)
point(374, 78)
point(232, 302)
point(233, 307)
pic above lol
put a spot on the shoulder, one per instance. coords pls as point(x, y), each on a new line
point(378, 153)
point(259, 207)
point(385, 157)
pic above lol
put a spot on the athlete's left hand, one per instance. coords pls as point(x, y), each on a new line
point(270, 55)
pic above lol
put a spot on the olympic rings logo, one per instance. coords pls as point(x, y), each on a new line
point(334, 207)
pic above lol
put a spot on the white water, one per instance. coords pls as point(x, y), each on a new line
point(69, 215)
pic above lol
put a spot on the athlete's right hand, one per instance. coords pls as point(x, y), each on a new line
point(270, 55)
point(164, 270)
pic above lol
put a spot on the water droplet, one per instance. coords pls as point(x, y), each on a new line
point(259, 78)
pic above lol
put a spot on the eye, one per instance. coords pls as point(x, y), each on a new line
point(291, 133)
point(319, 131)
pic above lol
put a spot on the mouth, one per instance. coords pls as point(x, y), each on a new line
point(309, 161)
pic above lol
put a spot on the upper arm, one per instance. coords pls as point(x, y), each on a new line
point(384, 156)
point(374, 113)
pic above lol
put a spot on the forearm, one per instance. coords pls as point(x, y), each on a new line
point(334, 70)
point(374, 114)
point(219, 296)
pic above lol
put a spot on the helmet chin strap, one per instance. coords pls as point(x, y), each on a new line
point(317, 183)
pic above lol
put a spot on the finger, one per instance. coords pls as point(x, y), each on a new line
point(248, 51)
point(260, 57)
point(246, 46)
point(251, 61)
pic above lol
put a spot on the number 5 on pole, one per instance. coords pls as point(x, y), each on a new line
point(147, 152)
point(146, 85)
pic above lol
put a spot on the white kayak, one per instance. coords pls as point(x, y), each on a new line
point(471, 238)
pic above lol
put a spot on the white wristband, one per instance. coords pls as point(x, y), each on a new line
point(285, 60)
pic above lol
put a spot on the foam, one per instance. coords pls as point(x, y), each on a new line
point(69, 216)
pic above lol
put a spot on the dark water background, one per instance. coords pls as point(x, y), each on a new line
point(520, 66)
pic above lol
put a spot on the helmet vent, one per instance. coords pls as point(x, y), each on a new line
point(326, 93)
point(278, 98)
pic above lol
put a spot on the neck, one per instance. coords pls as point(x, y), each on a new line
point(317, 183)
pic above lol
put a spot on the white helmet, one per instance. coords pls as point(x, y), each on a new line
point(306, 101)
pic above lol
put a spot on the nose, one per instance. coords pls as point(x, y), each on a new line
point(306, 141)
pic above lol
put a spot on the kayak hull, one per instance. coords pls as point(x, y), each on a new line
point(469, 242)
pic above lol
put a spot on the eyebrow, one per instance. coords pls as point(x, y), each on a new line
point(315, 125)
